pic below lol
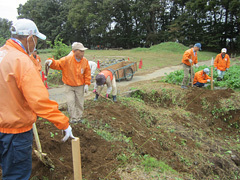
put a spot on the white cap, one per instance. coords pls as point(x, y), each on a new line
point(224, 50)
point(206, 70)
point(78, 46)
point(26, 27)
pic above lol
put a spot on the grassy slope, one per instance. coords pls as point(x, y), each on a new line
point(158, 56)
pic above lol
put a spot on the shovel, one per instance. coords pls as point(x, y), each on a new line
point(42, 156)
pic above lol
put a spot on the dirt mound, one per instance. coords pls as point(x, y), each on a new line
point(98, 156)
point(196, 97)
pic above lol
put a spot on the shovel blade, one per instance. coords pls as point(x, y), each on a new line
point(45, 159)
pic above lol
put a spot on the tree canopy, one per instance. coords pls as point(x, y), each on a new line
point(138, 23)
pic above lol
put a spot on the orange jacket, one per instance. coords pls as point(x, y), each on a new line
point(200, 77)
point(37, 62)
point(73, 73)
point(189, 54)
point(23, 94)
point(222, 63)
point(107, 73)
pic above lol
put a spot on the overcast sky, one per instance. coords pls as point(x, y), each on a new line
point(8, 8)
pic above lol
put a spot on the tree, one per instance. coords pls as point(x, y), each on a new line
point(4, 30)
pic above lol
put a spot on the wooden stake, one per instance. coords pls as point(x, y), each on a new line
point(192, 74)
point(76, 155)
point(211, 78)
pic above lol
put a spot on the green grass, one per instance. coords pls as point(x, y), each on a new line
point(231, 77)
point(151, 163)
point(155, 57)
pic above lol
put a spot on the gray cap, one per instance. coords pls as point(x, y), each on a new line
point(100, 79)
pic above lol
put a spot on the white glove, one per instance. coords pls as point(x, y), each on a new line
point(190, 61)
point(215, 68)
point(48, 62)
point(208, 80)
point(196, 65)
point(86, 89)
point(212, 80)
point(227, 69)
point(68, 134)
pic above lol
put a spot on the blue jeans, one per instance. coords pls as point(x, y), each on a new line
point(198, 84)
point(16, 155)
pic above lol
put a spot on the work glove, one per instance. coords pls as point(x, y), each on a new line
point(107, 95)
point(227, 69)
point(48, 62)
point(215, 68)
point(95, 91)
point(86, 89)
point(68, 133)
point(208, 80)
point(190, 61)
point(196, 65)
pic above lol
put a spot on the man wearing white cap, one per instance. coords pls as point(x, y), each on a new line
point(23, 98)
point(222, 64)
point(201, 78)
point(76, 75)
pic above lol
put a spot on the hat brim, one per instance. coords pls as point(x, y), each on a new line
point(41, 36)
point(82, 49)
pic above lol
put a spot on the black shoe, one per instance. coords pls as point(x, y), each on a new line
point(114, 98)
point(219, 79)
point(96, 97)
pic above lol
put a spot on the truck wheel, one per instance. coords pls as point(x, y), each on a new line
point(128, 74)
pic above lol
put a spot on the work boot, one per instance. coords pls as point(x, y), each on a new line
point(96, 97)
point(219, 79)
point(114, 98)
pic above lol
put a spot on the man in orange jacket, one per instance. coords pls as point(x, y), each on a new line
point(76, 75)
point(188, 60)
point(23, 98)
point(106, 77)
point(201, 78)
point(222, 64)
point(36, 60)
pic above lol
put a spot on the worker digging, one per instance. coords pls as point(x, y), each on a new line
point(106, 77)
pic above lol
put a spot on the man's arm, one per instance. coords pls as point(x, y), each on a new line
point(37, 97)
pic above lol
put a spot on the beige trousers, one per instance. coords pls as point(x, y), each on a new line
point(187, 73)
point(75, 101)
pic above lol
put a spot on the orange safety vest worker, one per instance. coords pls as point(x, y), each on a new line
point(107, 73)
point(189, 54)
point(73, 73)
point(222, 63)
point(201, 77)
point(37, 62)
point(23, 94)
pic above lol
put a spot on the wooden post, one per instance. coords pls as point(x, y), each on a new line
point(76, 155)
point(192, 74)
point(211, 78)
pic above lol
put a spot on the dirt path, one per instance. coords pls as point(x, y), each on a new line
point(57, 94)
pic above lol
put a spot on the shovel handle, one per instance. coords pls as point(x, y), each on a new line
point(35, 132)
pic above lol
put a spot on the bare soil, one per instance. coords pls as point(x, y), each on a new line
point(176, 140)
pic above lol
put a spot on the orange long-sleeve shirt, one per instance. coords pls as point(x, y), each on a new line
point(74, 73)
point(23, 94)
point(222, 63)
point(37, 62)
point(189, 54)
point(201, 77)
